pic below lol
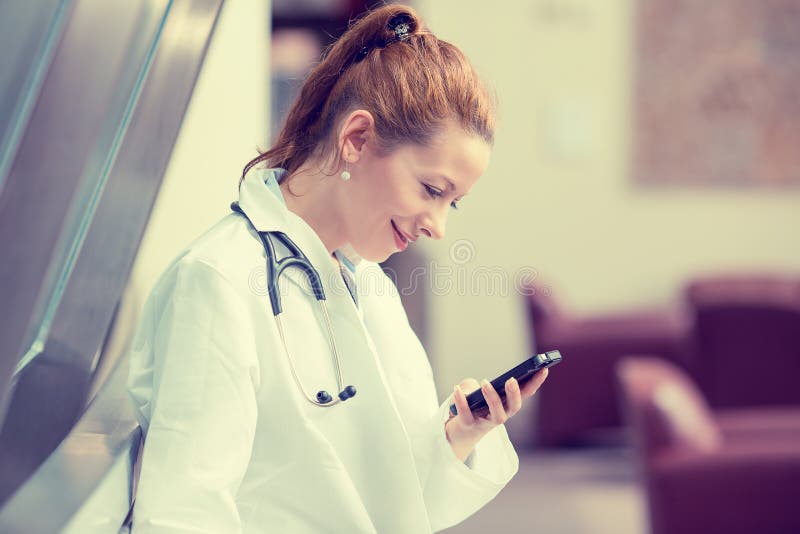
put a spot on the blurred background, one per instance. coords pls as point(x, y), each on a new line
point(641, 214)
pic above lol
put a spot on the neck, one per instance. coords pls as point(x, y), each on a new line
point(314, 197)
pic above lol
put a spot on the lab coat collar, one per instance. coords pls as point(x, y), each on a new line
point(261, 200)
point(260, 197)
point(258, 201)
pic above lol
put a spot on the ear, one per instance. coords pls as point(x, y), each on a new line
point(357, 128)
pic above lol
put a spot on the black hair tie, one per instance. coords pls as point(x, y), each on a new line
point(402, 25)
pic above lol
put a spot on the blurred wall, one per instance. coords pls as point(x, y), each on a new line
point(226, 120)
point(558, 197)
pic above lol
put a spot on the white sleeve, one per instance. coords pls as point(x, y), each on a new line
point(454, 490)
point(202, 411)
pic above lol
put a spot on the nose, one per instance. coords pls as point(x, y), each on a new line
point(432, 225)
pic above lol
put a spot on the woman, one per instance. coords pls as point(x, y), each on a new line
point(390, 130)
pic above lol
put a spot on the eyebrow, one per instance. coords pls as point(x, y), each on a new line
point(452, 186)
point(450, 183)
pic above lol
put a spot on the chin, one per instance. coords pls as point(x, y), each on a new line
point(386, 256)
point(376, 256)
point(379, 257)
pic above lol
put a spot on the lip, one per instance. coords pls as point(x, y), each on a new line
point(399, 238)
point(408, 237)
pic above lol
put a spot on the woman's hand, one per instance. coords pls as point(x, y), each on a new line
point(465, 430)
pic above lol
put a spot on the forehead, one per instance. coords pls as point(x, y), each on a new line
point(458, 155)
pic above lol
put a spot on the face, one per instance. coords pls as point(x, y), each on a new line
point(395, 199)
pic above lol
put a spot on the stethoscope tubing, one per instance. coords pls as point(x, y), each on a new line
point(275, 268)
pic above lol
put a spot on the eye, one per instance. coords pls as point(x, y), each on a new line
point(435, 193)
point(432, 191)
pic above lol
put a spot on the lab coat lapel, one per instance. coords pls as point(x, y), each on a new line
point(385, 456)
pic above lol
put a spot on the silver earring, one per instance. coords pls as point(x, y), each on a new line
point(345, 172)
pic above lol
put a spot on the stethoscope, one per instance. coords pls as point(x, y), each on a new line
point(275, 267)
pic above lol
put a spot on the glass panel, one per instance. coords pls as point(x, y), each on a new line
point(29, 33)
point(128, 68)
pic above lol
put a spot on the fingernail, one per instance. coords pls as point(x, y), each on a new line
point(484, 383)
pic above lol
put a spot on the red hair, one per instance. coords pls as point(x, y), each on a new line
point(411, 82)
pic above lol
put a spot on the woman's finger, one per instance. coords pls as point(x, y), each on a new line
point(534, 383)
point(513, 397)
point(497, 412)
point(462, 407)
point(468, 385)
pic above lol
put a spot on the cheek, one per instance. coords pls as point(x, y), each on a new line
point(390, 193)
point(388, 200)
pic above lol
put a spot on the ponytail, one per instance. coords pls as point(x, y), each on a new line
point(390, 65)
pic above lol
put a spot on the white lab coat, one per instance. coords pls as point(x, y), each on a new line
point(233, 446)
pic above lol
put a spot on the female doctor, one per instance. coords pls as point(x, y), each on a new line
point(324, 420)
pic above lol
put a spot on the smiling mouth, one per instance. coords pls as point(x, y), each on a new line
point(399, 238)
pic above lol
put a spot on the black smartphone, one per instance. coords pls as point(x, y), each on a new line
point(522, 372)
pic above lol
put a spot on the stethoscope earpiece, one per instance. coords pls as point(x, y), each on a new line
point(323, 397)
point(348, 392)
